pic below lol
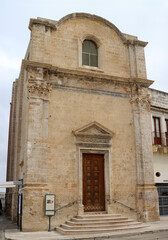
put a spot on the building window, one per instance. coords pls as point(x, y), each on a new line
point(89, 53)
point(156, 132)
point(166, 133)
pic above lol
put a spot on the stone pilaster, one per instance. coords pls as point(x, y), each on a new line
point(35, 179)
point(146, 192)
point(133, 70)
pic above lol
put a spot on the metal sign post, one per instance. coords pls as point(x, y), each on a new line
point(49, 207)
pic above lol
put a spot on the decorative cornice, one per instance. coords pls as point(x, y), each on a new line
point(93, 17)
point(41, 22)
point(137, 42)
point(159, 109)
point(87, 131)
point(96, 76)
point(50, 23)
point(93, 135)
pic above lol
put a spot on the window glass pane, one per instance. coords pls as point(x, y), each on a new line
point(93, 60)
point(85, 46)
point(85, 59)
point(90, 59)
point(93, 48)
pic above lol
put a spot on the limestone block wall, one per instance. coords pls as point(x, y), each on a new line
point(159, 98)
point(60, 44)
point(70, 110)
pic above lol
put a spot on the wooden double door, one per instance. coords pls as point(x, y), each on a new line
point(93, 182)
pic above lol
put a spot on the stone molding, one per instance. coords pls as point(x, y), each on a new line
point(37, 72)
point(91, 91)
point(94, 138)
point(81, 74)
point(56, 24)
point(93, 134)
point(160, 149)
point(44, 22)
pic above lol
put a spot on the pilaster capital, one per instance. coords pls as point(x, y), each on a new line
point(38, 81)
point(39, 90)
point(141, 99)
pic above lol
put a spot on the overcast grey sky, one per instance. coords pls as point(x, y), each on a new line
point(147, 19)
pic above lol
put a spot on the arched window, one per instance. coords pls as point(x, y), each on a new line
point(89, 53)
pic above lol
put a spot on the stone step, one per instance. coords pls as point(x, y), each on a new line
point(98, 216)
point(66, 226)
point(95, 213)
point(96, 231)
point(102, 223)
point(100, 219)
point(112, 222)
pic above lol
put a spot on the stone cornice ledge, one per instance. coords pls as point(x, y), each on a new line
point(86, 74)
point(41, 22)
point(157, 108)
point(55, 24)
point(137, 42)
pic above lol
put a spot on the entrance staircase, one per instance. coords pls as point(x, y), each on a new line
point(98, 223)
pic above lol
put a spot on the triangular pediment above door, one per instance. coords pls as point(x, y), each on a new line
point(94, 129)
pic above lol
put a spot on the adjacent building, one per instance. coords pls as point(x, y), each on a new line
point(159, 114)
point(80, 124)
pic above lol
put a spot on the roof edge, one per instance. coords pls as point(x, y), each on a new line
point(57, 24)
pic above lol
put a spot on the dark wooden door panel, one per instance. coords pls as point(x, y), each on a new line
point(93, 182)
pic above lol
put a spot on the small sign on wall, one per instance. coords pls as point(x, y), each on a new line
point(49, 204)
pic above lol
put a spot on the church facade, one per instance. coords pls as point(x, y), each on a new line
point(80, 124)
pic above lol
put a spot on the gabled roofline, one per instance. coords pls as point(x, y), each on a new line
point(56, 24)
point(94, 17)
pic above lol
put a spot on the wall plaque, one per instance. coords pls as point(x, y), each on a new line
point(49, 204)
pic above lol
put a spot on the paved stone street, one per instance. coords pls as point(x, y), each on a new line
point(148, 236)
point(6, 223)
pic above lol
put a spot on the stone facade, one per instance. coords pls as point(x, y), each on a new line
point(62, 109)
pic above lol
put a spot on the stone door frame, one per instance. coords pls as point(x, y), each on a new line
point(94, 138)
point(107, 177)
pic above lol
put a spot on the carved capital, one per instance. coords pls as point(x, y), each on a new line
point(39, 90)
point(142, 101)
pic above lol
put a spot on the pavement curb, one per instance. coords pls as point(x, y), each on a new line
point(92, 237)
